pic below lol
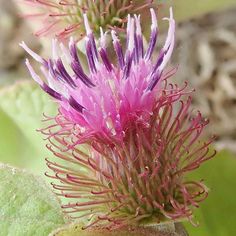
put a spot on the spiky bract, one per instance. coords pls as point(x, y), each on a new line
point(64, 18)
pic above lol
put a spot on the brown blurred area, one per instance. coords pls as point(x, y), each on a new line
point(206, 55)
point(13, 29)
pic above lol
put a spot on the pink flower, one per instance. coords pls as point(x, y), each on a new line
point(64, 18)
point(112, 97)
point(128, 133)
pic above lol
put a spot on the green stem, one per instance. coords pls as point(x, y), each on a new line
point(166, 229)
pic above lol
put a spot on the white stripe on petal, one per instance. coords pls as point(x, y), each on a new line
point(171, 30)
point(87, 26)
point(103, 38)
point(131, 35)
point(31, 53)
point(138, 25)
point(33, 73)
point(154, 19)
point(55, 49)
point(170, 41)
point(114, 36)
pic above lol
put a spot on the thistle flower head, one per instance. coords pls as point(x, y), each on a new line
point(111, 97)
point(64, 18)
point(128, 134)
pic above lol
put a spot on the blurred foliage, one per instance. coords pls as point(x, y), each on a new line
point(22, 106)
point(27, 206)
point(186, 9)
point(216, 214)
point(11, 141)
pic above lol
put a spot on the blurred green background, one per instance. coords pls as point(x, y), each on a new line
point(22, 105)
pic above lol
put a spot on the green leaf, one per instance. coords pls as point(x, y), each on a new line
point(27, 206)
point(24, 103)
point(217, 214)
point(11, 141)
